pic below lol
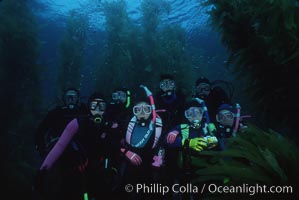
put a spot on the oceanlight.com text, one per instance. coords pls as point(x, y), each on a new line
point(249, 189)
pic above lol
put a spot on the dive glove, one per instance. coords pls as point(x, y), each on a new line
point(212, 128)
point(198, 144)
point(159, 159)
point(134, 158)
point(212, 141)
point(171, 137)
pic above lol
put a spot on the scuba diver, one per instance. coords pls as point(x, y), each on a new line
point(212, 94)
point(50, 128)
point(81, 148)
point(171, 102)
point(120, 107)
point(229, 122)
point(142, 155)
point(118, 112)
point(190, 138)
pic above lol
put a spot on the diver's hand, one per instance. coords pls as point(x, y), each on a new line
point(81, 165)
point(134, 158)
point(212, 128)
point(171, 136)
point(198, 144)
point(41, 150)
point(212, 141)
point(114, 125)
point(158, 161)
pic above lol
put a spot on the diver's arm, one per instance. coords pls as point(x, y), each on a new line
point(177, 143)
point(68, 133)
point(44, 126)
point(177, 138)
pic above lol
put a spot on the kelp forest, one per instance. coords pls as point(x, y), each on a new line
point(261, 40)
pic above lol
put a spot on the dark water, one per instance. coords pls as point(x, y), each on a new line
point(202, 48)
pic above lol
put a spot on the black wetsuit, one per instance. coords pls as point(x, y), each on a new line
point(216, 97)
point(173, 116)
point(51, 127)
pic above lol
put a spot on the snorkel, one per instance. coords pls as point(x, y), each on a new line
point(158, 160)
point(237, 123)
point(128, 99)
point(150, 95)
point(238, 119)
point(205, 108)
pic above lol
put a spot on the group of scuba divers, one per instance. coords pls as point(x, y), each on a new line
point(95, 149)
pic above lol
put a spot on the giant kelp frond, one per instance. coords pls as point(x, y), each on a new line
point(121, 52)
point(72, 48)
point(262, 37)
point(255, 156)
point(20, 86)
point(143, 52)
